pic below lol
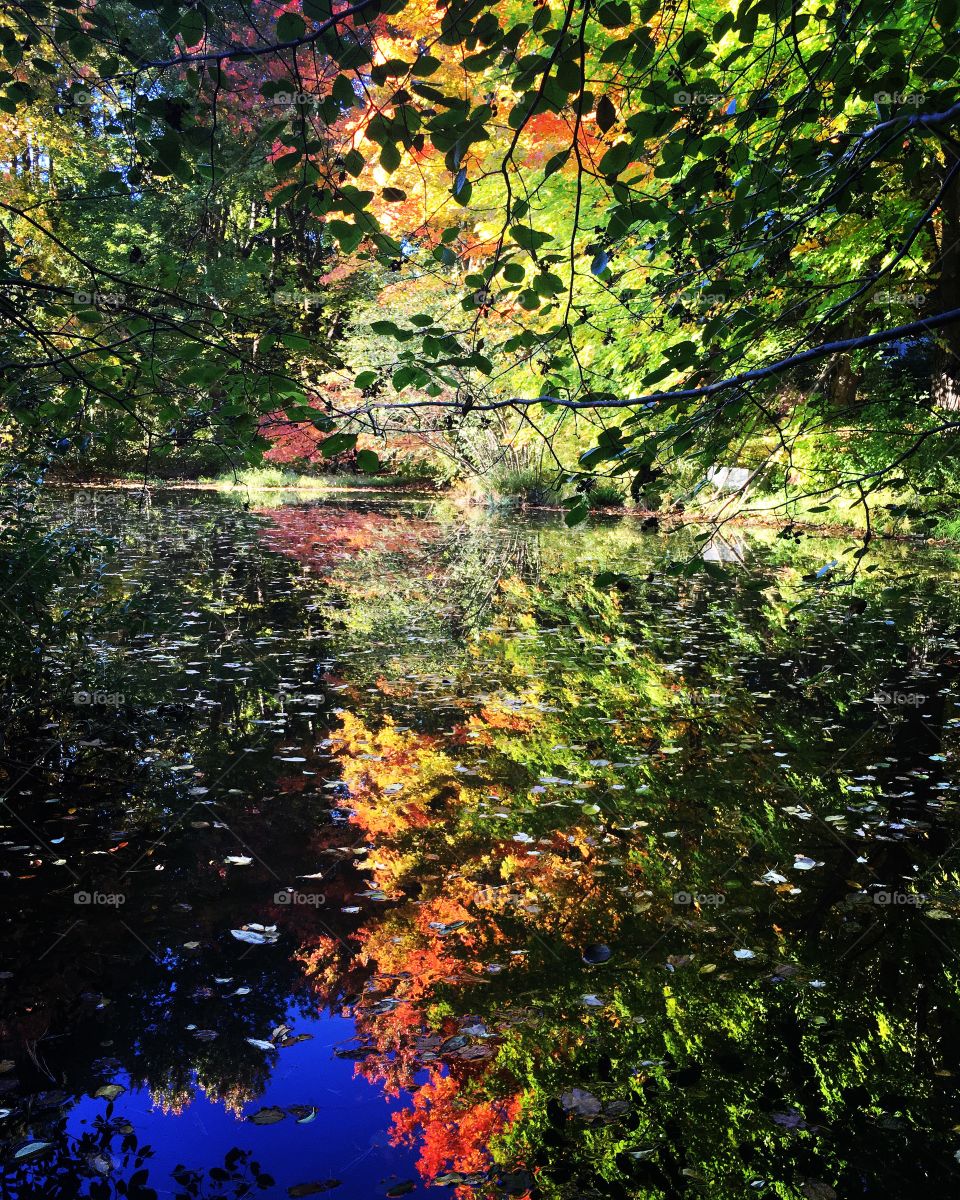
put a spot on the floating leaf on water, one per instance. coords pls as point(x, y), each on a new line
point(304, 1113)
point(267, 1116)
point(256, 935)
point(451, 927)
point(816, 1189)
point(743, 954)
point(676, 961)
point(28, 1149)
point(299, 1037)
point(261, 1044)
point(100, 1163)
point(596, 954)
point(789, 1120)
point(109, 1091)
point(581, 1103)
point(238, 860)
point(357, 1052)
point(475, 1053)
point(401, 1189)
point(313, 1189)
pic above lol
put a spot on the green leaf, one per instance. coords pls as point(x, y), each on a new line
point(390, 157)
point(343, 92)
point(290, 27)
point(404, 375)
point(528, 238)
point(425, 65)
point(606, 114)
point(614, 15)
point(190, 26)
point(616, 159)
point(557, 162)
point(337, 443)
point(353, 162)
point(548, 284)
point(368, 462)
point(347, 234)
point(295, 341)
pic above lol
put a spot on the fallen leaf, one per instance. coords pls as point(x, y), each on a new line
point(267, 1116)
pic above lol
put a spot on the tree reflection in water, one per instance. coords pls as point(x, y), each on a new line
point(628, 890)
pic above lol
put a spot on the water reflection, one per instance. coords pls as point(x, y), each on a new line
point(613, 891)
point(719, 549)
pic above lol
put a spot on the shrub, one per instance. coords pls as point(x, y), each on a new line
point(606, 494)
point(527, 486)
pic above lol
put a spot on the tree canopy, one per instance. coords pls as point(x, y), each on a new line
point(638, 233)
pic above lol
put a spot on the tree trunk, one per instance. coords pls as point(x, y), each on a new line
point(945, 384)
point(838, 381)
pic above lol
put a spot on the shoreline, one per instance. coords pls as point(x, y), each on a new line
point(413, 490)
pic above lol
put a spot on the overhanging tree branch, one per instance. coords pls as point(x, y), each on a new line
point(845, 345)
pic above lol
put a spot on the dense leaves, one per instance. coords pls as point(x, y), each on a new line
point(566, 206)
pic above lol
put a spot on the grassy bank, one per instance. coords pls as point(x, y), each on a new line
point(887, 514)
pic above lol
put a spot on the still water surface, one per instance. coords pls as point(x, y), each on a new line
point(360, 850)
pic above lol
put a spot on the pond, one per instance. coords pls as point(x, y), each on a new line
point(365, 849)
